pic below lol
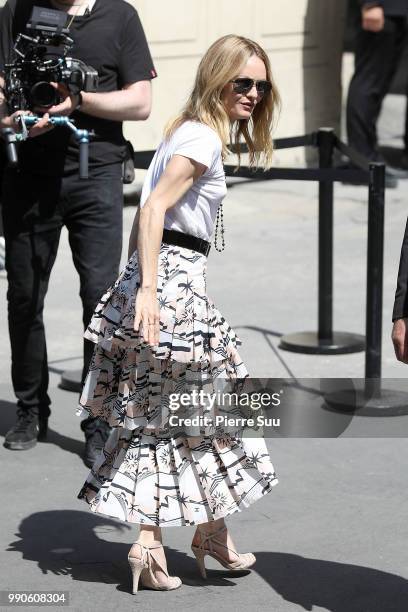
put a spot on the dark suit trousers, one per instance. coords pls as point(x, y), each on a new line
point(34, 210)
point(376, 59)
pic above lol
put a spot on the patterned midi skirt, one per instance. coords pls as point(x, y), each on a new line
point(149, 472)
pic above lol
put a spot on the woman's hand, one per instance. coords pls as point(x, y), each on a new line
point(147, 314)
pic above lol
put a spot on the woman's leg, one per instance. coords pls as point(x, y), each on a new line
point(223, 537)
point(151, 535)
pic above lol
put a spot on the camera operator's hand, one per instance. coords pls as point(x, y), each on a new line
point(41, 127)
point(10, 120)
point(68, 104)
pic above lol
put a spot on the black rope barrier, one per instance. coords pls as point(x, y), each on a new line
point(352, 154)
point(299, 174)
point(325, 340)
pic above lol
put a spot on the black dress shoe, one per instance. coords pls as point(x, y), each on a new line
point(96, 433)
point(23, 435)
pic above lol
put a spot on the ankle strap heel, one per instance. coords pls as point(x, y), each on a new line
point(199, 555)
point(141, 568)
point(243, 562)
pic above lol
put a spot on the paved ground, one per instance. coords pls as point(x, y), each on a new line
point(332, 535)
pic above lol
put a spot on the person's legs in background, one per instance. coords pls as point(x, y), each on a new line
point(32, 230)
point(404, 158)
point(94, 218)
point(2, 243)
point(3, 162)
point(376, 59)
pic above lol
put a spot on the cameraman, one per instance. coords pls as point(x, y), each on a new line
point(44, 193)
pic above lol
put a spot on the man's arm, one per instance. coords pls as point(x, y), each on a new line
point(132, 103)
point(399, 333)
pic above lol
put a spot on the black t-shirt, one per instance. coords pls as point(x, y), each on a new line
point(111, 40)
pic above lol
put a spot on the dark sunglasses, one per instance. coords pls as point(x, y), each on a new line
point(244, 84)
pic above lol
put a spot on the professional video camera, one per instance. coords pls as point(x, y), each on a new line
point(42, 58)
point(39, 60)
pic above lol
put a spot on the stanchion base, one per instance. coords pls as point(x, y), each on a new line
point(71, 380)
point(309, 342)
point(389, 403)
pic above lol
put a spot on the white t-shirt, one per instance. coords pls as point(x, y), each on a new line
point(196, 211)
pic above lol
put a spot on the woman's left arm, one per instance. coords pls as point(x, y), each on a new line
point(177, 178)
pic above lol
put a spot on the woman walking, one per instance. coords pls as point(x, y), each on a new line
point(156, 330)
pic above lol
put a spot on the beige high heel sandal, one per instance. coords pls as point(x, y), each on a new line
point(142, 568)
point(243, 562)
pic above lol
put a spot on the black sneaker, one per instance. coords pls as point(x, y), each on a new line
point(23, 435)
point(96, 433)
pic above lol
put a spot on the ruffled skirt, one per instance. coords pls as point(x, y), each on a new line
point(150, 471)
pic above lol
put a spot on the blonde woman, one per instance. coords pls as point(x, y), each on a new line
point(156, 328)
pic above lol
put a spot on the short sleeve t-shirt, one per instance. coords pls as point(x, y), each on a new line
point(110, 39)
point(196, 211)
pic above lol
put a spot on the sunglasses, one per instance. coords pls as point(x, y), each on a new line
point(244, 85)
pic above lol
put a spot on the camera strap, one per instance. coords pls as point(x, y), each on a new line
point(87, 10)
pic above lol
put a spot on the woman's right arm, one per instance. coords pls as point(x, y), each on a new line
point(177, 178)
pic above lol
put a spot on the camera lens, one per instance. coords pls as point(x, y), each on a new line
point(43, 94)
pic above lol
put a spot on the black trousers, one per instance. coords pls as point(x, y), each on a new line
point(35, 208)
point(376, 59)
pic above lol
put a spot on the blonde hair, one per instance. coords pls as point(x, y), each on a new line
point(219, 65)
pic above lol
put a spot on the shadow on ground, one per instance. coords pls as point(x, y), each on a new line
point(72, 543)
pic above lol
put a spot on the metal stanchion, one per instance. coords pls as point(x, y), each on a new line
point(373, 399)
point(375, 265)
point(325, 271)
point(324, 341)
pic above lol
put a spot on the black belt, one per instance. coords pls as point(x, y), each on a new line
point(185, 240)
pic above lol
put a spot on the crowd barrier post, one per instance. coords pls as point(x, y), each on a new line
point(325, 341)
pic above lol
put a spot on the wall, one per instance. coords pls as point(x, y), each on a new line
point(303, 39)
